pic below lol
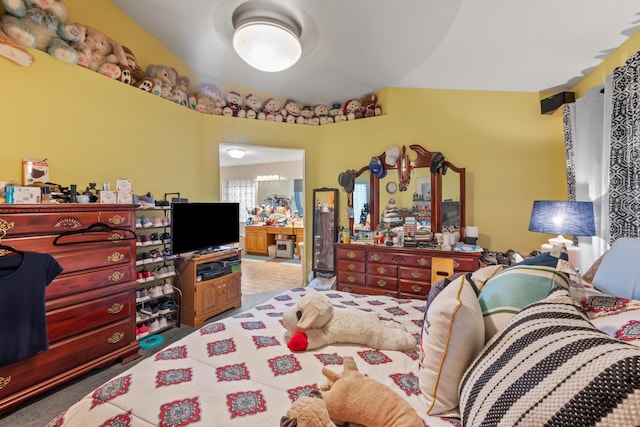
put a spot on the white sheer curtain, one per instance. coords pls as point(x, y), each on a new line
point(587, 127)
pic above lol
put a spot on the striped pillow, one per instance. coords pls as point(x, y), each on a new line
point(550, 366)
point(515, 288)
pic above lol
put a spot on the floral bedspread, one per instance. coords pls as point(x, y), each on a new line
point(239, 372)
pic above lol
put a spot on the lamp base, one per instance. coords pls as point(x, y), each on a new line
point(573, 252)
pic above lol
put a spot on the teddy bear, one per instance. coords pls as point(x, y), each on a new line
point(292, 108)
point(209, 99)
point(15, 52)
point(132, 72)
point(272, 109)
point(368, 106)
point(99, 53)
point(180, 92)
point(234, 103)
point(307, 411)
point(321, 111)
point(312, 322)
point(351, 107)
point(164, 76)
point(41, 24)
point(337, 112)
point(252, 106)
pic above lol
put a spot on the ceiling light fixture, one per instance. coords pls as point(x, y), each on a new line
point(236, 153)
point(268, 40)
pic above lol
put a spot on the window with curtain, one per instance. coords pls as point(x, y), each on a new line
point(360, 196)
point(242, 191)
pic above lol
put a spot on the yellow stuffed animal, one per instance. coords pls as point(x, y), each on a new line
point(354, 397)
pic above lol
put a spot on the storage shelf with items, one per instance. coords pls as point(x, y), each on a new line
point(158, 292)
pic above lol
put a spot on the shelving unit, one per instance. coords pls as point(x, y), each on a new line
point(158, 294)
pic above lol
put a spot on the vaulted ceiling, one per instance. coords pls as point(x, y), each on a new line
point(355, 47)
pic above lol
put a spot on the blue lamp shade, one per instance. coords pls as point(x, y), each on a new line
point(563, 217)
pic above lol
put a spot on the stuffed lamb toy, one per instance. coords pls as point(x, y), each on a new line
point(313, 323)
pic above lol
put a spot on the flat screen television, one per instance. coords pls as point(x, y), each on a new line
point(204, 227)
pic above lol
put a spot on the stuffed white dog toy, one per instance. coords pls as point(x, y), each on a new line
point(313, 323)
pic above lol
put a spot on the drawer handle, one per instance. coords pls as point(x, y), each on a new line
point(4, 381)
point(456, 264)
point(423, 261)
point(115, 257)
point(382, 283)
point(351, 267)
point(346, 289)
point(381, 270)
point(115, 308)
point(351, 255)
point(416, 288)
point(116, 337)
point(351, 278)
point(416, 274)
point(117, 220)
point(116, 276)
point(375, 257)
point(115, 238)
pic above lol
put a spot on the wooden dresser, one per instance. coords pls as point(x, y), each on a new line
point(397, 272)
point(90, 306)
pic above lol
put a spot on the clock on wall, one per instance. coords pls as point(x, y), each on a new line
point(392, 187)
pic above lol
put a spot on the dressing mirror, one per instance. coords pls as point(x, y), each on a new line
point(437, 198)
point(325, 233)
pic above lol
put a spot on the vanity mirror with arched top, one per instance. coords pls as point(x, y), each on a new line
point(414, 182)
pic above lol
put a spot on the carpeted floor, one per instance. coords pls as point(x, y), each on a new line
point(37, 412)
point(261, 274)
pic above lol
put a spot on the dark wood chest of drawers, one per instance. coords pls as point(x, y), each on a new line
point(397, 272)
point(90, 306)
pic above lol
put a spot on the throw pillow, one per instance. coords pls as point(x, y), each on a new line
point(452, 335)
point(551, 366)
point(619, 271)
point(513, 289)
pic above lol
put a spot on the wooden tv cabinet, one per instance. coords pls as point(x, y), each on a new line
point(202, 297)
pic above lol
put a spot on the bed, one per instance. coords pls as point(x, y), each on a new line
point(238, 371)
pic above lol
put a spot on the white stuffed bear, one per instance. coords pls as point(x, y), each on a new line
point(313, 322)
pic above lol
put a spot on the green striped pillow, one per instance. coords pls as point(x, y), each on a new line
point(511, 290)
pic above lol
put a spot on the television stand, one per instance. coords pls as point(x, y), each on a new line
point(202, 299)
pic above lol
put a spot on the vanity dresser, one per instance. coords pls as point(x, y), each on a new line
point(90, 306)
point(417, 183)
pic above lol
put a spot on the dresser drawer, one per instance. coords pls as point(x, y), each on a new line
point(367, 290)
point(352, 266)
point(415, 273)
point(351, 278)
point(382, 282)
point(71, 284)
point(352, 254)
point(414, 287)
point(65, 355)
point(382, 269)
point(75, 319)
point(48, 223)
point(465, 264)
point(95, 258)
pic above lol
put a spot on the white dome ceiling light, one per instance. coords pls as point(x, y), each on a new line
point(266, 39)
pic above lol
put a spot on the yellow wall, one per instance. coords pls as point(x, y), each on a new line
point(93, 129)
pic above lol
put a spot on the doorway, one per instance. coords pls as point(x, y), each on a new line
point(268, 183)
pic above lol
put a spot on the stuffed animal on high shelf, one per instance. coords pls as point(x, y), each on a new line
point(312, 322)
point(15, 52)
point(41, 24)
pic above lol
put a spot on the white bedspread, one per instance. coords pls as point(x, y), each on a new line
point(239, 372)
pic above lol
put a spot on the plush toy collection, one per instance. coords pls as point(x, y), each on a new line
point(43, 24)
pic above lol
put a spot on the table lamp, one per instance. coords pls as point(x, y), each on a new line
point(563, 217)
